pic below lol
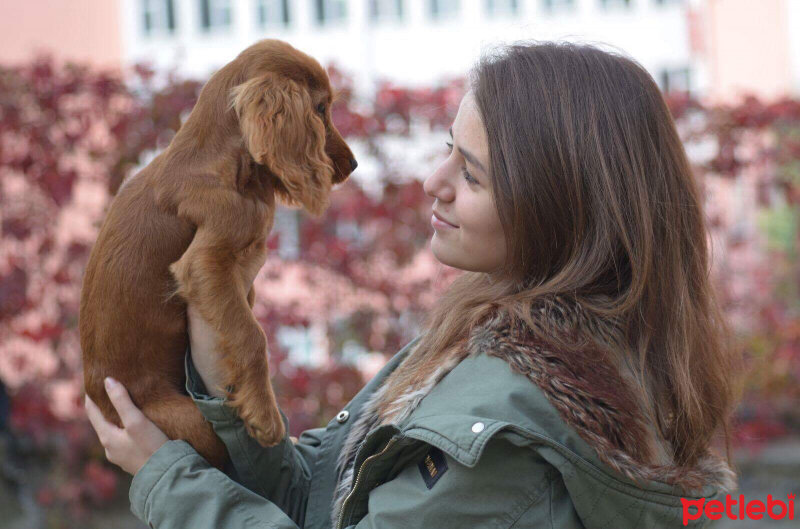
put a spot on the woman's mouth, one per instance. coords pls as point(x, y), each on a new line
point(437, 222)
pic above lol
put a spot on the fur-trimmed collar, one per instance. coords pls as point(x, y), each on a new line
point(592, 394)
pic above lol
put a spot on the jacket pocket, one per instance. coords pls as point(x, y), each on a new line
point(436, 490)
point(463, 437)
point(445, 471)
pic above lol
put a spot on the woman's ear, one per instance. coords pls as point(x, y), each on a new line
point(283, 132)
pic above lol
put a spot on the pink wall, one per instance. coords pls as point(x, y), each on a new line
point(81, 30)
point(748, 48)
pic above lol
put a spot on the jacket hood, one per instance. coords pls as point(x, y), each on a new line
point(591, 394)
point(596, 401)
point(581, 412)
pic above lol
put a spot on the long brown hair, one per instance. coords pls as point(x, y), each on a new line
point(598, 202)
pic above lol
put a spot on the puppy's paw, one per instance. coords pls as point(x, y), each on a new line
point(266, 426)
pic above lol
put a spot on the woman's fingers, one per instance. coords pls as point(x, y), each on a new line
point(127, 410)
point(132, 445)
point(103, 428)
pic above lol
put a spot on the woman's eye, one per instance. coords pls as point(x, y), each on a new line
point(468, 177)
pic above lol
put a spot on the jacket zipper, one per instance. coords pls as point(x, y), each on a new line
point(358, 477)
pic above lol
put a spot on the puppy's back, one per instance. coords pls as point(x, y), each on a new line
point(126, 322)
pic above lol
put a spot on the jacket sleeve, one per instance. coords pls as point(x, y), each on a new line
point(281, 473)
point(177, 488)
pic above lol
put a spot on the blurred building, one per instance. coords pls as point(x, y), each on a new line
point(751, 47)
point(414, 42)
point(715, 48)
point(720, 49)
point(86, 31)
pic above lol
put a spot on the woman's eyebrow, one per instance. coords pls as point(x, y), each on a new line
point(469, 156)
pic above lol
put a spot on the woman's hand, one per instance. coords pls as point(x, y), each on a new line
point(130, 447)
point(203, 346)
point(203, 339)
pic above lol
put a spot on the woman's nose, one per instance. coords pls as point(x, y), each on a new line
point(437, 185)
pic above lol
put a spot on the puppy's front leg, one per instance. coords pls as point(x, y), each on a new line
point(215, 275)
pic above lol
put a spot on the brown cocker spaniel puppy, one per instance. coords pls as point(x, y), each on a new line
point(192, 227)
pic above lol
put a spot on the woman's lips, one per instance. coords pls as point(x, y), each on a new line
point(438, 223)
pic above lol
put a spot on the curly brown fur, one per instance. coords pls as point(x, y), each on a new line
point(595, 400)
point(192, 226)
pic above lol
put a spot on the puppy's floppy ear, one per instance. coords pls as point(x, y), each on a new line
point(283, 132)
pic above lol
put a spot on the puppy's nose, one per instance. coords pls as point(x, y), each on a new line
point(353, 164)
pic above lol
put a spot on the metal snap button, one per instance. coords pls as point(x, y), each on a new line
point(478, 427)
point(342, 416)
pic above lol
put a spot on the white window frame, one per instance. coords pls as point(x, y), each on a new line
point(451, 11)
point(217, 20)
point(272, 14)
point(682, 76)
point(333, 12)
point(558, 6)
point(386, 10)
point(616, 4)
point(502, 8)
point(159, 13)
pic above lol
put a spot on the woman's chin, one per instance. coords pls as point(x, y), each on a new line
point(446, 258)
point(440, 253)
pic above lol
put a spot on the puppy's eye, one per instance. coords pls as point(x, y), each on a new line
point(321, 108)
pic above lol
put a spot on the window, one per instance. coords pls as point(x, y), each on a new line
point(305, 345)
point(551, 6)
point(330, 11)
point(215, 14)
point(158, 16)
point(502, 7)
point(272, 13)
point(609, 4)
point(287, 227)
point(675, 80)
point(444, 9)
point(384, 10)
point(349, 231)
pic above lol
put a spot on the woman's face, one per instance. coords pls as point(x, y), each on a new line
point(463, 194)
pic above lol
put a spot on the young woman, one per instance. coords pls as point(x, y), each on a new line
point(575, 375)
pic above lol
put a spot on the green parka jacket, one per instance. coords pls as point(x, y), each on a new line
point(486, 447)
